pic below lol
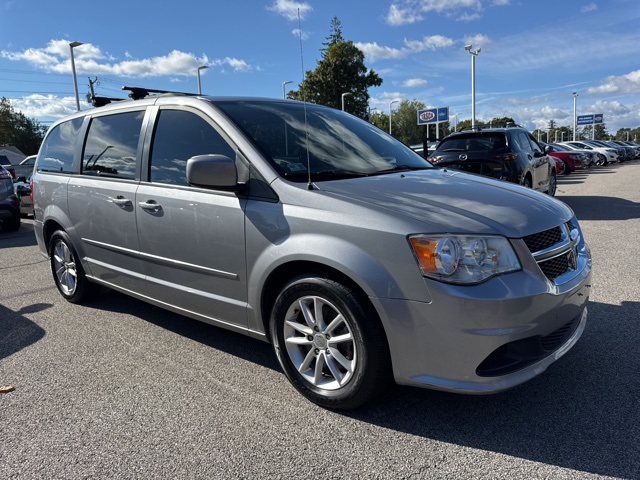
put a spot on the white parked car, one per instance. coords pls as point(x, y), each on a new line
point(610, 154)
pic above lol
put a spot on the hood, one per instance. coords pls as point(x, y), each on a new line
point(455, 202)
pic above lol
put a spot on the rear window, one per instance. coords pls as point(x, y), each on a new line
point(58, 148)
point(467, 143)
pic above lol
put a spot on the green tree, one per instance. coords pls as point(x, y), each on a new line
point(16, 129)
point(405, 122)
point(341, 70)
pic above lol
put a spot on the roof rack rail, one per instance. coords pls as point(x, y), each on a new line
point(138, 93)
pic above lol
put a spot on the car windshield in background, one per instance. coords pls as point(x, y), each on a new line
point(333, 144)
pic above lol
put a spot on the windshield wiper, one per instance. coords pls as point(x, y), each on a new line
point(397, 168)
point(325, 174)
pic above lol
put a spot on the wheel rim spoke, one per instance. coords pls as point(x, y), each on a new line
point(319, 342)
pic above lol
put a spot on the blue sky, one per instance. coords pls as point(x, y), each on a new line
point(535, 53)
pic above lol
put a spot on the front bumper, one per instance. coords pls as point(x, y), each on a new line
point(486, 338)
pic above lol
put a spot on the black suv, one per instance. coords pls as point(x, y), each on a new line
point(510, 154)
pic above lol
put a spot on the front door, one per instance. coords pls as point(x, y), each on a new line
point(191, 239)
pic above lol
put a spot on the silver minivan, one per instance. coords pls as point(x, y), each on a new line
point(315, 231)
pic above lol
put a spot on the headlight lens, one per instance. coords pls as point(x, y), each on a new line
point(463, 259)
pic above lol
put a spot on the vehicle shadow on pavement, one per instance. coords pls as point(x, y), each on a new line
point(18, 331)
point(23, 237)
point(582, 413)
point(227, 341)
point(602, 208)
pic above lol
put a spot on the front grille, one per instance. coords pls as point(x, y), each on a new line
point(555, 267)
point(542, 240)
point(556, 238)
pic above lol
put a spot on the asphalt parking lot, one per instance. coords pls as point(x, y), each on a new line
point(120, 389)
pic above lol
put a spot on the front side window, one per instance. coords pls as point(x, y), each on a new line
point(180, 135)
point(310, 141)
point(112, 145)
point(58, 149)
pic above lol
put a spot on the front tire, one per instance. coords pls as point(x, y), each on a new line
point(67, 270)
point(329, 343)
point(553, 184)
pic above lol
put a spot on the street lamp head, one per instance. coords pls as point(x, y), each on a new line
point(575, 94)
point(202, 67)
point(468, 48)
point(75, 44)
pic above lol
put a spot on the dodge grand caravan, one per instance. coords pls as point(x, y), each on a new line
point(315, 231)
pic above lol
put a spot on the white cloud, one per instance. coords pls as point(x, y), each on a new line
point(44, 106)
point(401, 16)
point(477, 40)
point(290, 9)
point(589, 7)
point(55, 57)
point(629, 83)
point(374, 52)
point(403, 12)
point(414, 83)
point(300, 34)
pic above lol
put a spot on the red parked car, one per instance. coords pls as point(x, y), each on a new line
point(572, 160)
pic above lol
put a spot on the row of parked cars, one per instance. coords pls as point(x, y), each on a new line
point(15, 193)
point(514, 155)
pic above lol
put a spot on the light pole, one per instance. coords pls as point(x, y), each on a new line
point(284, 95)
point(391, 103)
point(575, 119)
point(455, 125)
point(474, 54)
point(345, 95)
point(73, 45)
point(199, 86)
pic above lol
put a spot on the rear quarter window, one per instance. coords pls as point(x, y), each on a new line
point(59, 146)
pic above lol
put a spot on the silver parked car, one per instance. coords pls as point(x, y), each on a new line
point(311, 229)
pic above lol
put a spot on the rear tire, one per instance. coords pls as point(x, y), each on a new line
point(67, 270)
point(329, 343)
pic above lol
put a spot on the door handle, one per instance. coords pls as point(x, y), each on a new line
point(121, 201)
point(150, 206)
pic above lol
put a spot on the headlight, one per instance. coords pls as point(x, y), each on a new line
point(463, 259)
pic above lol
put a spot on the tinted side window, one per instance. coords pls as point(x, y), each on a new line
point(112, 145)
point(180, 135)
point(57, 151)
point(523, 141)
point(534, 145)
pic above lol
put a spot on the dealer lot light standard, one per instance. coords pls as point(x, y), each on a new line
point(73, 45)
point(575, 119)
point(474, 54)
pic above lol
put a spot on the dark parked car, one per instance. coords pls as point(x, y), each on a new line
point(9, 204)
point(6, 164)
point(22, 187)
point(510, 154)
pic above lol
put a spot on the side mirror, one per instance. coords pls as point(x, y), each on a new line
point(213, 171)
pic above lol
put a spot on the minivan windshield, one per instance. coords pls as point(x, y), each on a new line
point(331, 143)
